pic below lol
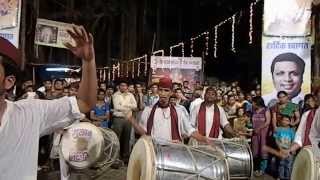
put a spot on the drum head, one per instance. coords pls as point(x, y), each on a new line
point(81, 145)
point(142, 160)
point(303, 167)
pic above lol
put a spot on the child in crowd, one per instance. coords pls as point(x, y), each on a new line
point(284, 136)
point(241, 123)
point(100, 114)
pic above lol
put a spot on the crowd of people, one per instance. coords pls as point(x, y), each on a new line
point(275, 133)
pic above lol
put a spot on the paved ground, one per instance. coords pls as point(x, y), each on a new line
point(110, 174)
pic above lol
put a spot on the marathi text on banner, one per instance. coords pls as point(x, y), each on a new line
point(52, 33)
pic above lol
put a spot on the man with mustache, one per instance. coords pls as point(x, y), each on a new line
point(165, 121)
point(287, 73)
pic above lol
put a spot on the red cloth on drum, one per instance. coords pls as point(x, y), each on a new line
point(310, 117)
point(174, 122)
point(214, 132)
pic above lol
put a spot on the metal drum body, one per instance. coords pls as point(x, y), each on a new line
point(306, 166)
point(237, 153)
point(152, 159)
point(84, 145)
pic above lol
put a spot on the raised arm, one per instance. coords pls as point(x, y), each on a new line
point(84, 50)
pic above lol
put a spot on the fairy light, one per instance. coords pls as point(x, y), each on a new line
point(233, 49)
point(145, 64)
point(113, 72)
point(191, 47)
point(109, 74)
point(215, 47)
point(138, 68)
point(250, 23)
point(118, 66)
point(207, 43)
point(127, 69)
point(133, 69)
point(182, 48)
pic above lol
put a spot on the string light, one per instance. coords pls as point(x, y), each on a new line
point(215, 47)
point(118, 69)
point(182, 49)
point(109, 74)
point(207, 44)
point(132, 69)
point(145, 64)
point(233, 49)
point(113, 72)
point(250, 23)
point(138, 68)
point(191, 47)
point(127, 69)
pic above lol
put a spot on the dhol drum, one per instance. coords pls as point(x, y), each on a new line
point(84, 145)
point(306, 166)
point(236, 151)
point(155, 160)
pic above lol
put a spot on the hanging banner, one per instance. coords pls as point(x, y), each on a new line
point(286, 50)
point(52, 33)
point(286, 66)
point(10, 12)
point(287, 17)
point(179, 69)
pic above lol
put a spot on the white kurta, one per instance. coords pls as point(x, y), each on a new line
point(300, 134)
point(22, 124)
point(162, 122)
point(209, 118)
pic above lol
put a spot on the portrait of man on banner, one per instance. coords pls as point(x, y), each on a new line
point(287, 70)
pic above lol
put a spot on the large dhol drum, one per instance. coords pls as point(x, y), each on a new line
point(305, 166)
point(236, 151)
point(155, 160)
point(84, 145)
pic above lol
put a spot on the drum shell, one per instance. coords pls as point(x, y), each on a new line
point(237, 153)
point(178, 161)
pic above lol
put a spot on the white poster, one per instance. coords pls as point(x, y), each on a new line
point(10, 12)
point(287, 17)
point(179, 69)
point(52, 33)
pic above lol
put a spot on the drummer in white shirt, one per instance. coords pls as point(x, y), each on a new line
point(209, 118)
point(166, 122)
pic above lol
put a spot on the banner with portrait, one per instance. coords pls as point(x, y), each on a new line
point(10, 12)
point(179, 69)
point(286, 66)
point(52, 33)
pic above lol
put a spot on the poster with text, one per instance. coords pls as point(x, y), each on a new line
point(179, 69)
point(286, 66)
point(10, 12)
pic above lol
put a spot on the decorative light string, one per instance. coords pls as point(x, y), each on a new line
point(127, 69)
point(118, 66)
point(159, 51)
point(207, 44)
point(138, 68)
point(109, 74)
point(132, 69)
point(250, 23)
point(113, 72)
point(191, 47)
point(182, 49)
point(233, 49)
point(215, 46)
point(145, 64)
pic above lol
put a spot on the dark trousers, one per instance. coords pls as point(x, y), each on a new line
point(122, 128)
